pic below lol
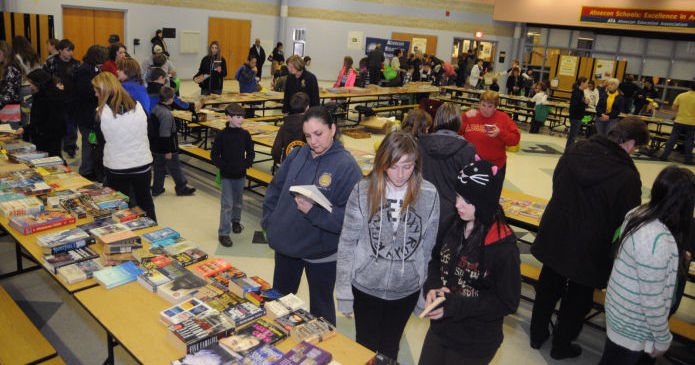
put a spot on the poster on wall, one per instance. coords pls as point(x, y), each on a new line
point(604, 68)
point(419, 44)
point(389, 46)
point(568, 66)
point(355, 40)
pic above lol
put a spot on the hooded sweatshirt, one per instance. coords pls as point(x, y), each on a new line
point(290, 130)
point(485, 284)
point(595, 184)
point(444, 154)
point(378, 260)
point(314, 235)
point(491, 149)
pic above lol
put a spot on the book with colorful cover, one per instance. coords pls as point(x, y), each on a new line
point(293, 319)
point(139, 223)
point(192, 335)
point(241, 286)
point(265, 355)
point(179, 247)
point(160, 235)
point(190, 257)
point(207, 293)
point(180, 287)
point(305, 353)
point(222, 278)
point(53, 261)
point(128, 214)
point(222, 301)
point(151, 280)
point(32, 223)
point(187, 310)
point(244, 312)
point(117, 275)
point(205, 269)
point(46, 161)
point(52, 170)
point(65, 181)
point(113, 259)
point(96, 224)
point(154, 262)
point(25, 205)
point(115, 234)
point(313, 331)
point(247, 339)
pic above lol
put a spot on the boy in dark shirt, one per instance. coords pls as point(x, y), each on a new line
point(291, 129)
point(164, 145)
point(232, 152)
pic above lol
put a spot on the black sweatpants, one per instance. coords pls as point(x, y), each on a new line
point(380, 323)
point(138, 183)
point(616, 354)
point(577, 300)
point(435, 352)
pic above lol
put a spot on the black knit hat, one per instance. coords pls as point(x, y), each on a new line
point(478, 184)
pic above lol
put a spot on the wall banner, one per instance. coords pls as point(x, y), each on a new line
point(389, 46)
point(639, 17)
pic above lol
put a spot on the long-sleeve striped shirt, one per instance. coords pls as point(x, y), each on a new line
point(641, 288)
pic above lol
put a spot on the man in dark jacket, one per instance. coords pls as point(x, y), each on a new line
point(594, 184)
point(376, 60)
point(258, 53)
point(246, 76)
point(628, 88)
point(64, 67)
point(299, 80)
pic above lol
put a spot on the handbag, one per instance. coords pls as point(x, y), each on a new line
point(11, 113)
point(541, 113)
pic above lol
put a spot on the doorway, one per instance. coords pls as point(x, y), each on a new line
point(87, 27)
point(234, 37)
point(484, 50)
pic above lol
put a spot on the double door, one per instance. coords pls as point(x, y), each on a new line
point(234, 37)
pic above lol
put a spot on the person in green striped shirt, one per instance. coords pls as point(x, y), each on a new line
point(651, 256)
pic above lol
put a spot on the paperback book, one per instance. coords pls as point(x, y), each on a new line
point(222, 278)
point(194, 334)
point(184, 311)
point(114, 276)
point(264, 355)
point(53, 261)
point(306, 353)
point(313, 331)
point(243, 285)
point(80, 271)
point(69, 239)
point(214, 354)
point(108, 259)
point(293, 319)
point(247, 339)
point(139, 223)
point(151, 280)
point(24, 205)
point(128, 214)
point(160, 235)
point(205, 269)
point(180, 288)
point(244, 312)
point(222, 301)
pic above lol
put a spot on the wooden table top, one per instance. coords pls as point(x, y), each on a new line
point(27, 343)
point(131, 315)
point(516, 214)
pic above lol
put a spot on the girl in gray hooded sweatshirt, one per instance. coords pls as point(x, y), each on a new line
point(389, 230)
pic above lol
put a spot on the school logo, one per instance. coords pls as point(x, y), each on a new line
point(325, 180)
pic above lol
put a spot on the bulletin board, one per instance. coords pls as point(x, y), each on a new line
point(431, 41)
point(190, 41)
point(585, 66)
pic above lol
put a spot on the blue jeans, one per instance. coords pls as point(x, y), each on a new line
point(321, 279)
point(70, 139)
point(689, 131)
point(231, 203)
point(161, 165)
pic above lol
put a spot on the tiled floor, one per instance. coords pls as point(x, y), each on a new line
point(80, 340)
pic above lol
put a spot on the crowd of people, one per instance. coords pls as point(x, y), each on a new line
point(425, 223)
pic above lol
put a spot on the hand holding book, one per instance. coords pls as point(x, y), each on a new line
point(306, 195)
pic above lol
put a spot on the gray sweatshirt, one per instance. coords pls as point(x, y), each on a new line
point(378, 261)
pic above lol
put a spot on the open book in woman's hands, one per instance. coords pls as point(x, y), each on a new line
point(313, 193)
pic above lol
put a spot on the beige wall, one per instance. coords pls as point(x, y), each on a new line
point(567, 12)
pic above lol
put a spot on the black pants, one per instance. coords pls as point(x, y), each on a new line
point(616, 354)
point(138, 183)
point(321, 279)
point(577, 300)
point(50, 145)
point(435, 352)
point(379, 323)
point(374, 76)
point(575, 128)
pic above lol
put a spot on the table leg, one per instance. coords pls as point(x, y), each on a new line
point(110, 344)
point(19, 264)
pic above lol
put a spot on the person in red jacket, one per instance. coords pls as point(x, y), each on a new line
point(490, 131)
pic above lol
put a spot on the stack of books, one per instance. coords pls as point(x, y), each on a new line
point(306, 353)
point(69, 239)
point(22, 206)
point(41, 221)
point(80, 271)
point(46, 161)
point(162, 237)
point(116, 238)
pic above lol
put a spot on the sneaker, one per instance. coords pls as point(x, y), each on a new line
point(225, 241)
point(237, 227)
point(572, 351)
point(158, 192)
point(186, 191)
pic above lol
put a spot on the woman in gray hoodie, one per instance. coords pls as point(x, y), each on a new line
point(389, 230)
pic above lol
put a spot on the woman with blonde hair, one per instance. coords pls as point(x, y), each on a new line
point(389, 231)
point(212, 71)
point(130, 76)
point(127, 156)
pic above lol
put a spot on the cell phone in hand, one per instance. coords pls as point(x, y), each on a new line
point(489, 128)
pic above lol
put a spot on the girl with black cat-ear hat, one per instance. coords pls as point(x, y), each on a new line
point(475, 267)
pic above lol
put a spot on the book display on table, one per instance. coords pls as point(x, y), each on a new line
point(139, 223)
point(214, 354)
point(184, 311)
point(293, 319)
point(314, 331)
point(127, 214)
point(264, 355)
point(193, 334)
point(247, 339)
point(80, 271)
point(180, 287)
point(211, 267)
point(53, 261)
point(21, 206)
point(155, 238)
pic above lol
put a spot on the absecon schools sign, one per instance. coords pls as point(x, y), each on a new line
point(639, 17)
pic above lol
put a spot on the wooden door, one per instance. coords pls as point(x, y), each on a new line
point(234, 37)
point(431, 41)
point(87, 27)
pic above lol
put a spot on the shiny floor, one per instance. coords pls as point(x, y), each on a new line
point(80, 340)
